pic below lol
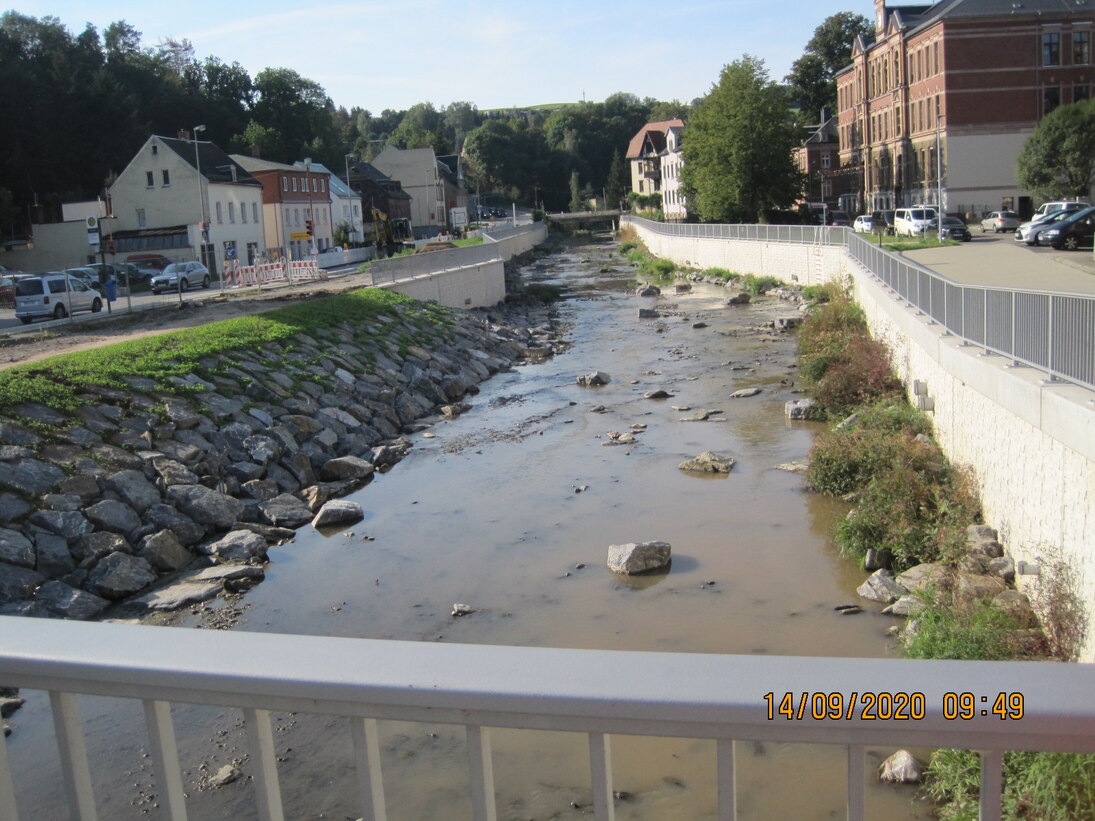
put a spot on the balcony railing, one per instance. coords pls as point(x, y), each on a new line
point(597, 693)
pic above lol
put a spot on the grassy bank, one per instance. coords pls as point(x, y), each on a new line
point(910, 502)
point(59, 381)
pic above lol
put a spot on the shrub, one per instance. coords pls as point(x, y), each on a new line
point(859, 374)
point(1037, 786)
point(953, 627)
point(758, 285)
point(662, 267)
point(721, 273)
point(1060, 606)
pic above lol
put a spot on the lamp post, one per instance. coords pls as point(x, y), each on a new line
point(352, 229)
point(201, 205)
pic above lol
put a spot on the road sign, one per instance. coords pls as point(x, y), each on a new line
point(92, 230)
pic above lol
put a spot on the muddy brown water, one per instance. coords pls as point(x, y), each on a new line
point(510, 509)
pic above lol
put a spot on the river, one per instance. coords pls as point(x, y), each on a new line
point(510, 509)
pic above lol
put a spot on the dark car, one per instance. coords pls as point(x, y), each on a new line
point(840, 218)
point(1075, 232)
point(953, 228)
point(883, 221)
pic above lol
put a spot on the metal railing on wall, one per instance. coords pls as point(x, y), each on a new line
point(855, 703)
point(1053, 332)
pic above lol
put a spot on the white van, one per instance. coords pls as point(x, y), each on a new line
point(1047, 208)
point(912, 222)
point(53, 296)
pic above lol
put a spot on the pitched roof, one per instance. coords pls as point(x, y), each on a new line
point(216, 166)
point(656, 132)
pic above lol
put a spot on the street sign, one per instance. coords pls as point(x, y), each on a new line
point(92, 230)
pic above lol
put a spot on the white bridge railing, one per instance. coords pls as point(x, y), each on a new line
point(598, 693)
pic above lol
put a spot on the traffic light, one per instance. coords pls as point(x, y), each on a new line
point(308, 226)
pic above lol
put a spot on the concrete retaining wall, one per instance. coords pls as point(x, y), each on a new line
point(1030, 444)
point(471, 286)
point(806, 264)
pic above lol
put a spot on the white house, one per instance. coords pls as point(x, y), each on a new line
point(174, 185)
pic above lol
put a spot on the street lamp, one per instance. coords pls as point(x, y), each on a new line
point(201, 202)
point(352, 229)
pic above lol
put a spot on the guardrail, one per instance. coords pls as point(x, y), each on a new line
point(1045, 707)
point(1051, 331)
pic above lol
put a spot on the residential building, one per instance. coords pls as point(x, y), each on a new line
point(377, 190)
point(818, 158)
point(938, 107)
point(174, 185)
point(296, 205)
point(346, 210)
point(674, 206)
point(645, 155)
point(434, 185)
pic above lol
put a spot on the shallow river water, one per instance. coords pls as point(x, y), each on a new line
point(510, 509)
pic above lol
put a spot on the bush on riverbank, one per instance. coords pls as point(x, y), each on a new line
point(909, 500)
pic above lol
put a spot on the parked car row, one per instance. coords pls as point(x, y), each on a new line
point(54, 296)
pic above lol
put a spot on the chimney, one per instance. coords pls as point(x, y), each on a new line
point(879, 17)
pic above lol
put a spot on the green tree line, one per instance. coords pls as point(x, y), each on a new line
point(88, 101)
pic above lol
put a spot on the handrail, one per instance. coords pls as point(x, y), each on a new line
point(1051, 331)
point(597, 692)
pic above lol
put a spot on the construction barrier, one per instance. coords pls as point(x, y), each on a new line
point(266, 273)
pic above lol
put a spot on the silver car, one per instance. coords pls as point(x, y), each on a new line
point(1028, 232)
point(181, 276)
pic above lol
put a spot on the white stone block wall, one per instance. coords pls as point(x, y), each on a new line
point(1029, 443)
point(472, 286)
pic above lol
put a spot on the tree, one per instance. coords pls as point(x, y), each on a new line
point(617, 184)
point(737, 155)
point(813, 75)
point(1058, 160)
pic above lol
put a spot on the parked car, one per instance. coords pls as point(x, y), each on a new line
point(149, 261)
point(912, 222)
point(999, 221)
point(181, 276)
point(883, 218)
point(86, 274)
point(863, 224)
point(124, 272)
point(953, 228)
point(840, 218)
point(1075, 231)
point(7, 288)
point(53, 296)
point(1029, 232)
point(1047, 208)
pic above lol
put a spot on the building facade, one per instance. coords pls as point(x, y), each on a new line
point(818, 158)
point(645, 152)
point(938, 107)
point(674, 206)
point(420, 176)
point(296, 204)
point(174, 185)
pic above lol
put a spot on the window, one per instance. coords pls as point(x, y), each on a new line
point(166, 177)
point(1051, 49)
point(1051, 98)
point(232, 212)
point(323, 186)
point(243, 212)
point(1081, 48)
point(315, 183)
point(149, 182)
point(1081, 93)
point(141, 223)
point(284, 183)
point(254, 212)
point(220, 216)
point(288, 217)
point(294, 185)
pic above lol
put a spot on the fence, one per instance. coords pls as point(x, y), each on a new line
point(984, 706)
point(1052, 332)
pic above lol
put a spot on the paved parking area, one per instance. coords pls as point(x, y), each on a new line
point(997, 259)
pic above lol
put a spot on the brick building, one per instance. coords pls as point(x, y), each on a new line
point(939, 106)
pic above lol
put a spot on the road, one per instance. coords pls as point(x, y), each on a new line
point(998, 260)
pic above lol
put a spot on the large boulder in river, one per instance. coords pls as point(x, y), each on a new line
point(708, 462)
point(119, 575)
point(638, 557)
point(647, 289)
point(338, 512)
point(594, 379)
point(881, 587)
point(802, 409)
point(237, 546)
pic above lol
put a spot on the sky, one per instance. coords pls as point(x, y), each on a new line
point(393, 54)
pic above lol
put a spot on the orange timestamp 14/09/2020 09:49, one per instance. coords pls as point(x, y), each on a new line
point(886, 706)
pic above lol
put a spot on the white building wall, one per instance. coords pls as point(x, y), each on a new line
point(416, 171)
point(174, 203)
